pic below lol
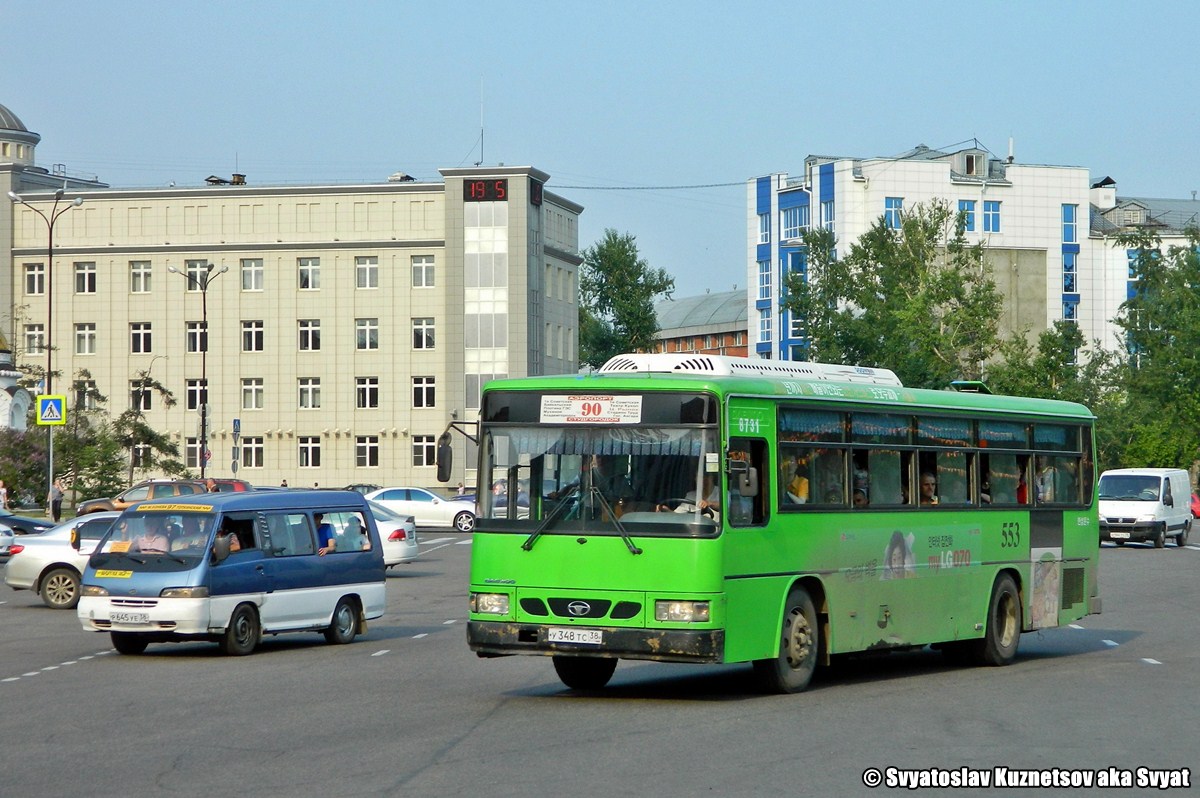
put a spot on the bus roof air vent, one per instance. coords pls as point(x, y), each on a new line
point(720, 365)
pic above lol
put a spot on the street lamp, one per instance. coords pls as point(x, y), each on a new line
point(138, 404)
point(201, 282)
point(48, 339)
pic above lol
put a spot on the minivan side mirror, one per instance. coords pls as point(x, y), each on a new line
point(220, 549)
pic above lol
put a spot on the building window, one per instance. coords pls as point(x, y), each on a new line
point(197, 337)
point(764, 228)
point(366, 392)
point(35, 279)
point(422, 333)
point(1070, 311)
point(424, 450)
point(35, 339)
point(423, 392)
point(991, 216)
point(310, 273)
point(764, 325)
point(139, 338)
point(197, 274)
point(143, 455)
point(422, 271)
point(139, 276)
point(1069, 260)
point(827, 219)
point(252, 274)
point(366, 451)
point(366, 334)
point(85, 278)
point(195, 394)
point(253, 393)
point(967, 209)
point(252, 336)
point(252, 453)
point(85, 339)
point(475, 383)
point(191, 457)
point(893, 209)
point(85, 395)
point(764, 279)
point(140, 396)
point(310, 452)
point(310, 393)
point(1069, 213)
point(310, 335)
point(366, 272)
point(793, 221)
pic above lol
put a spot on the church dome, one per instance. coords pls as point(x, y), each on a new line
point(16, 140)
point(10, 121)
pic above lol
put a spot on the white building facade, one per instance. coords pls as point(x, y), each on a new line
point(348, 326)
point(1032, 219)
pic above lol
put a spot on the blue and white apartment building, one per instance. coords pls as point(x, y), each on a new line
point(1046, 231)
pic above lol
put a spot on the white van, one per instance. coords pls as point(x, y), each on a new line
point(1145, 504)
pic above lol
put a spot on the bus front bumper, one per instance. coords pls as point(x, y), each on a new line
point(498, 638)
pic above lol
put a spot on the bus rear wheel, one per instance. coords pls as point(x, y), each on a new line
point(585, 673)
point(792, 669)
point(1003, 633)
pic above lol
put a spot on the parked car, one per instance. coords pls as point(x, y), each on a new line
point(49, 565)
point(398, 534)
point(6, 541)
point(150, 489)
point(363, 487)
point(1195, 507)
point(232, 485)
point(427, 507)
point(23, 524)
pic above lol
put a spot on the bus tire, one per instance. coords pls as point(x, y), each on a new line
point(60, 589)
point(243, 632)
point(792, 669)
point(585, 673)
point(1003, 632)
point(128, 642)
point(344, 625)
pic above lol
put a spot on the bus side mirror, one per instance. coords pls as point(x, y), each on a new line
point(445, 457)
point(747, 483)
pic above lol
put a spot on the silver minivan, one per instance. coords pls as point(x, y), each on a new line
point(1145, 504)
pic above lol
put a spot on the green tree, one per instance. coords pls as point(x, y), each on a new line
point(133, 432)
point(617, 292)
point(917, 299)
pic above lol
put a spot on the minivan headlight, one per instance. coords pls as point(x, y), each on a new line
point(184, 592)
point(93, 590)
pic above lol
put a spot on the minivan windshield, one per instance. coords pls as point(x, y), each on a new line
point(1130, 487)
point(158, 536)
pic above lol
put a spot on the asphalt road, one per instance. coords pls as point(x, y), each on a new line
point(409, 710)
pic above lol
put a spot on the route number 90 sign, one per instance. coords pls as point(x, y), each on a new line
point(591, 409)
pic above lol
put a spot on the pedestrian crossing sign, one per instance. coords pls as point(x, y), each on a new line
point(51, 410)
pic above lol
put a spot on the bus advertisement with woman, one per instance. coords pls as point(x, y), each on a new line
point(721, 510)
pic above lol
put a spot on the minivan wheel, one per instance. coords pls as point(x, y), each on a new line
point(1160, 539)
point(1181, 540)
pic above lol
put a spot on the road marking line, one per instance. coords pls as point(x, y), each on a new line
point(50, 668)
point(435, 540)
point(1149, 661)
point(463, 543)
point(11, 679)
point(31, 673)
point(381, 653)
point(423, 634)
point(1075, 626)
point(435, 548)
point(69, 662)
point(1110, 642)
point(447, 623)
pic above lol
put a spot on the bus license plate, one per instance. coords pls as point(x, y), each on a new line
point(1119, 535)
point(129, 618)
point(585, 637)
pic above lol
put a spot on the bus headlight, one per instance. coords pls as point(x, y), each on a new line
point(681, 611)
point(184, 592)
point(490, 603)
point(92, 590)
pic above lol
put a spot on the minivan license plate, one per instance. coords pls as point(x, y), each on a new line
point(586, 637)
point(129, 617)
point(1119, 535)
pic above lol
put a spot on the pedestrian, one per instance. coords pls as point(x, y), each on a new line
point(3, 496)
point(462, 490)
point(283, 484)
point(54, 500)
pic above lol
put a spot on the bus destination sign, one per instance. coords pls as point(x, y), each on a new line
point(591, 409)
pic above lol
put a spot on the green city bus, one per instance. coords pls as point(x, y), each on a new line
point(694, 508)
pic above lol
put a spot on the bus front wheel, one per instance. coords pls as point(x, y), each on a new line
point(999, 644)
point(792, 669)
point(585, 673)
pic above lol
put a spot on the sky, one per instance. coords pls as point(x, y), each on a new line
point(652, 115)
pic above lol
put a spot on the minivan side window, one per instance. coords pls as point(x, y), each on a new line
point(289, 534)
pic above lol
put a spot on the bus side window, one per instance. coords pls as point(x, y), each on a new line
point(749, 510)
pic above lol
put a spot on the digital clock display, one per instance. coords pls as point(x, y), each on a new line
point(493, 190)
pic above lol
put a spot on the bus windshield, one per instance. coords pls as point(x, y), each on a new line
point(586, 474)
point(156, 537)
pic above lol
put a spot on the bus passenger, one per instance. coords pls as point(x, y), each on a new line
point(928, 488)
point(860, 498)
point(154, 538)
point(797, 487)
point(326, 539)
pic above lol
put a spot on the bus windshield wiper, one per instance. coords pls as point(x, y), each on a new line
point(562, 505)
point(633, 549)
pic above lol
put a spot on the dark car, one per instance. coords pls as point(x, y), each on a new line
point(150, 489)
point(23, 524)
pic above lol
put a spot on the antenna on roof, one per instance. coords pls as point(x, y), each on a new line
point(480, 161)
